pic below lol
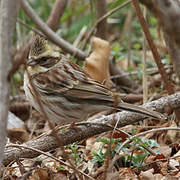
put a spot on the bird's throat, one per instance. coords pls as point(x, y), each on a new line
point(36, 69)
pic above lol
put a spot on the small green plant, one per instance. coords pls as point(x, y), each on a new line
point(39, 159)
point(139, 143)
point(99, 156)
point(60, 168)
point(131, 160)
point(75, 155)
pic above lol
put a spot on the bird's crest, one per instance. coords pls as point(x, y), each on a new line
point(41, 56)
point(38, 47)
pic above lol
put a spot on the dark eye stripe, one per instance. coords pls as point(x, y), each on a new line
point(42, 59)
point(47, 62)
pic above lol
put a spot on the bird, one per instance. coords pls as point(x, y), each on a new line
point(65, 91)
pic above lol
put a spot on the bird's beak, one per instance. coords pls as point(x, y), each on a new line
point(31, 62)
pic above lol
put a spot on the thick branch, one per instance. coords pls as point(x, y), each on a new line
point(86, 130)
point(8, 10)
point(102, 26)
point(50, 34)
point(56, 13)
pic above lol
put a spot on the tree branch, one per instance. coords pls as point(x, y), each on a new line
point(56, 13)
point(86, 129)
point(102, 26)
point(50, 34)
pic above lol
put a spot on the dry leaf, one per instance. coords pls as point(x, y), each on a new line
point(18, 135)
point(172, 136)
point(40, 173)
point(60, 175)
point(173, 164)
point(97, 64)
point(126, 173)
point(158, 176)
point(165, 150)
point(177, 156)
point(147, 175)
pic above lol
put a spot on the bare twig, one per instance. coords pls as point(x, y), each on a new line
point(129, 32)
point(150, 71)
point(145, 86)
point(80, 36)
point(167, 83)
point(29, 27)
point(46, 154)
point(153, 47)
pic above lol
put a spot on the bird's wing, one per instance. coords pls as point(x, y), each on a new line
point(68, 79)
point(71, 82)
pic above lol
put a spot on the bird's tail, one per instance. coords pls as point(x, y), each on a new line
point(140, 110)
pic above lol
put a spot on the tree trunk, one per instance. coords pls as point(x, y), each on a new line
point(8, 14)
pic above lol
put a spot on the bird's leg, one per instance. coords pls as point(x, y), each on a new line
point(74, 126)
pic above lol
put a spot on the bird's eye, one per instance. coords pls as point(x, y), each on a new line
point(43, 59)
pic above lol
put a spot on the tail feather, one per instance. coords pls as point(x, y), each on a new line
point(140, 110)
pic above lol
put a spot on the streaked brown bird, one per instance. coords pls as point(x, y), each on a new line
point(65, 90)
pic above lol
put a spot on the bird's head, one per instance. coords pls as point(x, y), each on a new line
point(41, 56)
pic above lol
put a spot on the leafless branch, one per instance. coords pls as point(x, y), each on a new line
point(86, 129)
point(102, 26)
point(56, 13)
point(50, 33)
